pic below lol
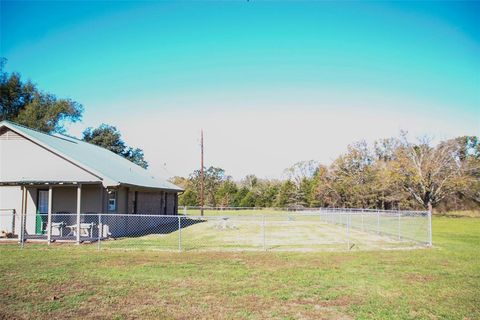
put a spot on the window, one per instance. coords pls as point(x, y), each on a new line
point(112, 201)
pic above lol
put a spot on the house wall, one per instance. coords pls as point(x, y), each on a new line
point(152, 202)
point(122, 200)
point(10, 198)
point(92, 198)
point(149, 202)
point(31, 211)
point(22, 159)
point(65, 199)
point(171, 203)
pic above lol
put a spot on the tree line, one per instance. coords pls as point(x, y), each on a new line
point(393, 173)
point(24, 103)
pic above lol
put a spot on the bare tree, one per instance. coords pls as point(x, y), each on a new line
point(428, 173)
point(301, 170)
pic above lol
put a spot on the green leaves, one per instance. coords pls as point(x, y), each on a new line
point(108, 137)
point(48, 114)
point(23, 103)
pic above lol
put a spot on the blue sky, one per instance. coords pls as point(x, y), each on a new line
point(271, 83)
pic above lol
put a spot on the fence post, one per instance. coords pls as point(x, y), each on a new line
point(22, 217)
point(263, 233)
point(20, 231)
point(184, 210)
point(79, 206)
point(348, 231)
point(378, 222)
point(13, 221)
point(179, 234)
point(363, 229)
point(399, 230)
point(100, 230)
point(49, 215)
point(430, 225)
point(49, 229)
point(23, 220)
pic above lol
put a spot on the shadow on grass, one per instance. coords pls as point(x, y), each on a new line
point(166, 228)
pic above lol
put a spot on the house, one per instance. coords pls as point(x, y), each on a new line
point(57, 178)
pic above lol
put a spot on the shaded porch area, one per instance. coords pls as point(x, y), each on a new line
point(53, 211)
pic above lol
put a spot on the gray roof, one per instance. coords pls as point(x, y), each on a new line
point(112, 169)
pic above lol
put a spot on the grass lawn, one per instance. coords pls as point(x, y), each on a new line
point(66, 281)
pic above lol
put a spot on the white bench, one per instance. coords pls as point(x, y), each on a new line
point(86, 229)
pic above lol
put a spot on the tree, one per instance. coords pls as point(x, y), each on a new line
point(286, 195)
point(301, 170)
point(353, 177)
point(469, 155)
point(323, 194)
point(226, 193)
point(301, 174)
point(23, 103)
point(248, 200)
point(266, 192)
point(213, 177)
point(428, 173)
point(250, 181)
point(108, 137)
point(189, 196)
point(239, 196)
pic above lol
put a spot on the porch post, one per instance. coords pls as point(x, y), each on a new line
point(79, 202)
point(21, 231)
point(49, 217)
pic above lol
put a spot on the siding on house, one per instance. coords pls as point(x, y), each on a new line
point(65, 199)
point(21, 160)
point(152, 202)
point(122, 199)
point(10, 198)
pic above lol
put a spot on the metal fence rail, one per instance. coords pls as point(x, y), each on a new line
point(235, 229)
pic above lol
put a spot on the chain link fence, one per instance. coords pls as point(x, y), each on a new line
point(9, 221)
point(226, 229)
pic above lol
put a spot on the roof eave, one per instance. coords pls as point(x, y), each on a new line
point(129, 185)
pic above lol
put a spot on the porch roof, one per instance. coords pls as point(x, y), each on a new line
point(111, 169)
point(45, 182)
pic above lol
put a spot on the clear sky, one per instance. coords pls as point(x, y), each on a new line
point(271, 83)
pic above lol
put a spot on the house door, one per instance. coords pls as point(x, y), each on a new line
point(42, 211)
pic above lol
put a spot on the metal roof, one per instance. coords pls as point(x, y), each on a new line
point(112, 169)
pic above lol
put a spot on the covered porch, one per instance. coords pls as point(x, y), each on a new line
point(66, 211)
point(85, 211)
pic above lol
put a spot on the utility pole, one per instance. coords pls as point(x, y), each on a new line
point(202, 177)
